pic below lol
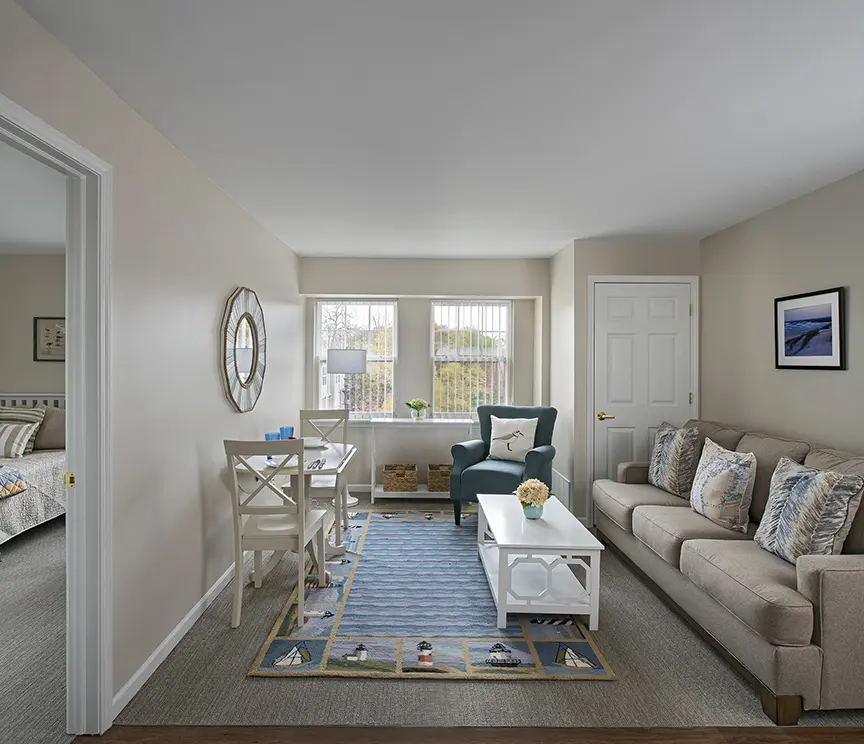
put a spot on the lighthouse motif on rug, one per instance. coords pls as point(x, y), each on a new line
point(424, 653)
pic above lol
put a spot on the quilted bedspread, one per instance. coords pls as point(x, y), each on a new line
point(44, 498)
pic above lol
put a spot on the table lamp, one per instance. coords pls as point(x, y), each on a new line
point(346, 362)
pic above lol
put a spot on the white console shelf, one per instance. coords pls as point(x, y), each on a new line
point(463, 429)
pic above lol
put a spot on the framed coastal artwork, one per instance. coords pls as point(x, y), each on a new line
point(809, 330)
point(49, 339)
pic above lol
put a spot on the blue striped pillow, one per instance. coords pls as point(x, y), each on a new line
point(809, 511)
point(673, 459)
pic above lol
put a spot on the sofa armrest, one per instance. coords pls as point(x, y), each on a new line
point(835, 586)
point(466, 454)
point(633, 472)
point(538, 463)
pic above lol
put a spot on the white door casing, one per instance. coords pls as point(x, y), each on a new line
point(644, 368)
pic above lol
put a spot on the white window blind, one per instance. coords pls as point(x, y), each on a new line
point(471, 349)
point(357, 324)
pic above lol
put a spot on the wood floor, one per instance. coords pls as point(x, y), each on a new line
point(385, 735)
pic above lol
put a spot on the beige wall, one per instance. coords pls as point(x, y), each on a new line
point(609, 257)
point(33, 287)
point(562, 366)
point(813, 243)
point(180, 247)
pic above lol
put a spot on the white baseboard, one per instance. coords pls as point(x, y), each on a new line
point(136, 682)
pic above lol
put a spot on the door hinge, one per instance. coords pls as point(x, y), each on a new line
point(691, 399)
point(691, 308)
point(69, 480)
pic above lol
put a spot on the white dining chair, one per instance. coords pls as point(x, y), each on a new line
point(331, 425)
point(262, 522)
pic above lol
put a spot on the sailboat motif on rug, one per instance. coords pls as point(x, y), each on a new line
point(410, 600)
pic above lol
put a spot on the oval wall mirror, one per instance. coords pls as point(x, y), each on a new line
point(244, 349)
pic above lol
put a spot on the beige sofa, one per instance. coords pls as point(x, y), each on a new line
point(796, 631)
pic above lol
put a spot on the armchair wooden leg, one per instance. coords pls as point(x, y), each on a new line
point(457, 512)
point(784, 710)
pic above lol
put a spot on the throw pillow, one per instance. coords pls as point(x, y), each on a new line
point(673, 459)
point(14, 438)
point(723, 486)
point(52, 432)
point(512, 438)
point(809, 511)
point(23, 415)
point(11, 482)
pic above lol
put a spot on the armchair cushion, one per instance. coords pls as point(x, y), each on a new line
point(511, 438)
point(491, 476)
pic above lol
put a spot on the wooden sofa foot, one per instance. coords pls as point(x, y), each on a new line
point(457, 512)
point(784, 710)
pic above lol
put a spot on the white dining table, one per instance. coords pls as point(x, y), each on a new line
point(330, 460)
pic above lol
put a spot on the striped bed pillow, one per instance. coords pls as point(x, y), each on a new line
point(23, 415)
point(14, 438)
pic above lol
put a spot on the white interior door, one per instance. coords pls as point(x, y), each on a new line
point(642, 368)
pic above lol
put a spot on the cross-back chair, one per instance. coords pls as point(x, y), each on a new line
point(331, 425)
point(271, 511)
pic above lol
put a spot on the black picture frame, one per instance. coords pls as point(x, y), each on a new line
point(38, 324)
point(804, 336)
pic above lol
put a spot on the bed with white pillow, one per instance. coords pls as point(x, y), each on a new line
point(41, 470)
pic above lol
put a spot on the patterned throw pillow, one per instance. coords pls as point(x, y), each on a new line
point(809, 511)
point(14, 438)
point(673, 459)
point(512, 438)
point(11, 482)
point(23, 415)
point(723, 486)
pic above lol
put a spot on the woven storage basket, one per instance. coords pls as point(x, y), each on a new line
point(438, 480)
point(400, 477)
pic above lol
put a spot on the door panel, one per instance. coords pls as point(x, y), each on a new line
point(642, 368)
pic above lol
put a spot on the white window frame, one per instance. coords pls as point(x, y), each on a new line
point(508, 382)
point(318, 360)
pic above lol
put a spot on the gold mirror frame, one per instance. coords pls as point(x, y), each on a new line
point(243, 303)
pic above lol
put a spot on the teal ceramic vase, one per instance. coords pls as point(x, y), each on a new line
point(532, 512)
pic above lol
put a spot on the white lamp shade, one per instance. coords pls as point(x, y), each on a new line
point(346, 361)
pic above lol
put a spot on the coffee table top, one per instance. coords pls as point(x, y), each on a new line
point(557, 528)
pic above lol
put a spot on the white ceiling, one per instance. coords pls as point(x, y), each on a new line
point(32, 205)
point(488, 127)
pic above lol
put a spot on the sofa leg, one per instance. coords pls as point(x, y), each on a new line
point(457, 512)
point(784, 710)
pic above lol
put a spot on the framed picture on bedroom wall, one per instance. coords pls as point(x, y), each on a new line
point(809, 330)
point(49, 339)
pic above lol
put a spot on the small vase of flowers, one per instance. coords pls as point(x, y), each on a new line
point(532, 494)
point(418, 408)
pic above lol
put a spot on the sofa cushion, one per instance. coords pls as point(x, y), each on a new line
point(846, 463)
point(809, 511)
point(618, 500)
point(492, 476)
point(757, 587)
point(664, 529)
point(768, 451)
point(673, 459)
point(725, 436)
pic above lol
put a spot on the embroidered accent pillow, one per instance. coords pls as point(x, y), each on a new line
point(14, 438)
point(809, 511)
point(673, 459)
point(512, 438)
point(11, 482)
point(723, 486)
point(23, 415)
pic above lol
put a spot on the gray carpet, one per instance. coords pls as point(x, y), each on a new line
point(667, 676)
point(33, 637)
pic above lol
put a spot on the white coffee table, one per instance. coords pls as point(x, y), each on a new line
point(528, 561)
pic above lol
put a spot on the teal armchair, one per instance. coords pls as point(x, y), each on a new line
point(474, 473)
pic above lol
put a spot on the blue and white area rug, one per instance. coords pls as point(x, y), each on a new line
point(411, 600)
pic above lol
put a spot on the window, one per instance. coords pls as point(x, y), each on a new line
point(471, 344)
point(357, 324)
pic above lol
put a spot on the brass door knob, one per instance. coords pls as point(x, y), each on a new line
point(603, 416)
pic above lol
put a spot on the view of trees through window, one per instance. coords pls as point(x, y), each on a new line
point(350, 324)
point(470, 350)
